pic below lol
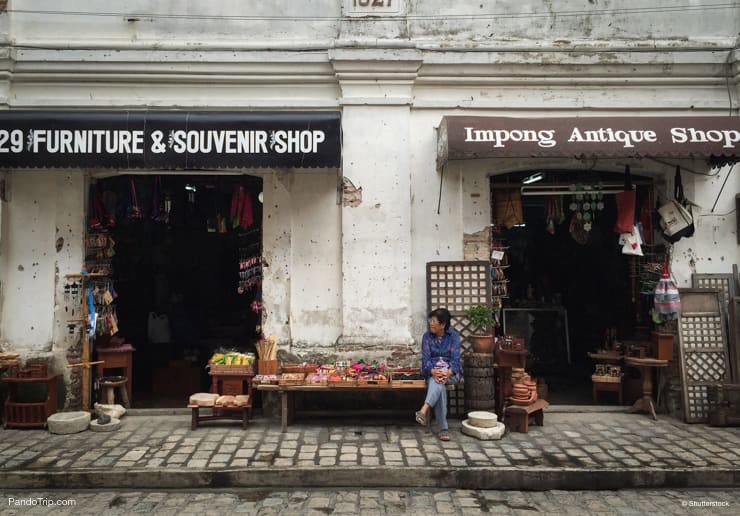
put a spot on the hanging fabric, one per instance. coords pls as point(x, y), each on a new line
point(626, 202)
point(247, 212)
point(134, 211)
point(666, 297)
point(508, 206)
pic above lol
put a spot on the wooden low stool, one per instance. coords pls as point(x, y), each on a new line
point(109, 385)
point(517, 416)
point(240, 412)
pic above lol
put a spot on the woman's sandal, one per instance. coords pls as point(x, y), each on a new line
point(421, 418)
point(444, 435)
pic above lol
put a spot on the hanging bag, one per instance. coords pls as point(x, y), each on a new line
point(626, 202)
point(676, 219)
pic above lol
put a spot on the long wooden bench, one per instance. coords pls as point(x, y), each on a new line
point(287, 396)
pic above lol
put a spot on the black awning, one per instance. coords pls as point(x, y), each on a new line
point(716, 139)
point(169, 140)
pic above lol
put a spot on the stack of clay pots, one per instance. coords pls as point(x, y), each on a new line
point(524, 390)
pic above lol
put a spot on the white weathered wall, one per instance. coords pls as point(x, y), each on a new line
point(376, 235)
point(316, 261)
point(317, 23)
point(44, 206)
point(714, 246)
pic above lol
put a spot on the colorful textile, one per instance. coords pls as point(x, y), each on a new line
point(446, 347)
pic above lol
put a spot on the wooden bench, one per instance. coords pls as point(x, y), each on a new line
point(243, 413)
point(287, 396)
point(517, 416)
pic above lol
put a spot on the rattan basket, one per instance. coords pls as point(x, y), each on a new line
point(606, 379)
point(230, 369)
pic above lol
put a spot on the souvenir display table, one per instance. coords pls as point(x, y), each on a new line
point(287, 395)
point(645, 366)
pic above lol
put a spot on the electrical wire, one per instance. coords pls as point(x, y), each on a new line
point(433, 17)
point(722, 187)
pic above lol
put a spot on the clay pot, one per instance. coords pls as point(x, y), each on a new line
point(481, 343)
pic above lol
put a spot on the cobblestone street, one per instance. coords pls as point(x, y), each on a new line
point(370, 502)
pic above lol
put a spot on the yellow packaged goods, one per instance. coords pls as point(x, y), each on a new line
point(232, 363)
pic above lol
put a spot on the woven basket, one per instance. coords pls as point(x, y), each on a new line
point(299, 368)
point(231, 369)
point(343, 383)
point(291, 379)
point(606, 379)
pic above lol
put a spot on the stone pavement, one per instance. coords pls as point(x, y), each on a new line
point(369, 502)
point(572, 451)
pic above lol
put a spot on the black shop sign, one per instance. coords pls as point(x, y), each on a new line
point(169, 140)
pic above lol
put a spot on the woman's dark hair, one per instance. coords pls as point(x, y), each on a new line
point(442, 315)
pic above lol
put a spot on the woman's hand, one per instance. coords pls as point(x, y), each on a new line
point(441, 375)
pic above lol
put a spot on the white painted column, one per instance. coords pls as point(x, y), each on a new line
point(376, 232)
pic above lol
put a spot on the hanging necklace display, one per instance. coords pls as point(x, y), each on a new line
point(586, 204)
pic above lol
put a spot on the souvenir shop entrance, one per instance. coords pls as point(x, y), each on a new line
point(184, 254)
point(563, 282)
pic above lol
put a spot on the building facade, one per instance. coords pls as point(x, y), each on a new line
point(347, 275)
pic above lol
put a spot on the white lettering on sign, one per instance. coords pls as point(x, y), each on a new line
point(499, 137)
point(607, 134)
point(90, 141)
point(220, 142)
point(284, 142)
point(11, 141)
point(728, 137)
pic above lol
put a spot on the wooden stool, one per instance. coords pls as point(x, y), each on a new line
point(108, 388)
point(607, 387)
point(517, 416)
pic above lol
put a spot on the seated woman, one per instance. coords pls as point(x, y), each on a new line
point(440, 365)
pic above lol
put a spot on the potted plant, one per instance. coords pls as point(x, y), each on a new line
point(481, 323)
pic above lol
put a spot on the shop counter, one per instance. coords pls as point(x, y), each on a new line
point(287, 395)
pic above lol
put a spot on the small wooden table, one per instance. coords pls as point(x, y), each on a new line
point(645, 365)
point(517, 416)
point(117, 357)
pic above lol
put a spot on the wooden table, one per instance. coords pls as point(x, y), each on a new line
point(117, 357)
point(287, 395)
point(645, 366)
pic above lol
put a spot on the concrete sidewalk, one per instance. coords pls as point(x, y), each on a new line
point(604, 450)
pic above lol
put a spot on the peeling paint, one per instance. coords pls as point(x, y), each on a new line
point(351, 195)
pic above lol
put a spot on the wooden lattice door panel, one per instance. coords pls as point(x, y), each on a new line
point(457, 286)
point(702, 349)
point(724, 282)
point(733, 345)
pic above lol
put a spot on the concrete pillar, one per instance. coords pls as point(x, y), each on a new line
point(376, 230)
